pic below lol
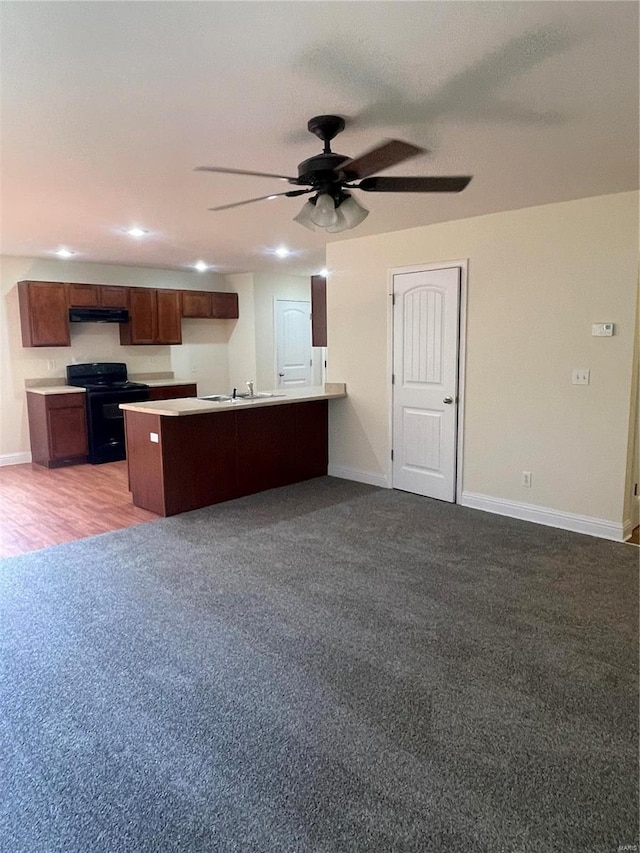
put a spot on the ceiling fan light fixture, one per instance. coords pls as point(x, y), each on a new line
point(324, 212)
point(304, 217)
point(353, 212)
point(340, 224)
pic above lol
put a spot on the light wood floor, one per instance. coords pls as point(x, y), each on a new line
point(41, 507)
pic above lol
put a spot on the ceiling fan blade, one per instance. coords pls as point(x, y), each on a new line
point(290, 194)
point(454, 184)
point(244, 172)
point(388, 154)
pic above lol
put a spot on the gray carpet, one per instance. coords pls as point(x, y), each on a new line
point(326, 667)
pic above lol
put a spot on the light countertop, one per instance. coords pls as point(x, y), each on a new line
point(73, 389)
point(195, 406)
point(55, 389)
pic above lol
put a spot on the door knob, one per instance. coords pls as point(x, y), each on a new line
point(448, 400)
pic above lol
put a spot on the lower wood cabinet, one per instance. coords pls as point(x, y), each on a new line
point(58, 423)
point(57, 428)
point(193, 461)
point(173, 392)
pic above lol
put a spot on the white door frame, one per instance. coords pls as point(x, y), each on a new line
point(463, 266)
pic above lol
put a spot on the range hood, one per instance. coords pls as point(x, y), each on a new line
point(98, 315)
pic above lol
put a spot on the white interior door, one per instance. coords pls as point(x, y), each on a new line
point(293, 343)
point(425, 387)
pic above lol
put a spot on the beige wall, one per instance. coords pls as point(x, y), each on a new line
point(538, 279)
point(242, 343)
point(201, 358)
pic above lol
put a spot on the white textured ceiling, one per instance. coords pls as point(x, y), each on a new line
point(107, 107)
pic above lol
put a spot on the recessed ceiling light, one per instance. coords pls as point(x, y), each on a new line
point(270, 197)
point(282, 252)
point(201, 266)
point(65, 253)
point(136, 232)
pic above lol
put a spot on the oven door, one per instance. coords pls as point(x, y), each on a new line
point(105, 423)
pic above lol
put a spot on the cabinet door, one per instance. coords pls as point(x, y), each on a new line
point(44, 314)
point(196, 303)
point(224, 306)
point(141, 328)
point(114, 297)
point(67, 433)
point(84, 295)
point(266, 438)
point(169, 326)
point(57, 428)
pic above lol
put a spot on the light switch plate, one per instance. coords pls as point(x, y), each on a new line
point(153, 436)
point(602, 330)
point(580, 376)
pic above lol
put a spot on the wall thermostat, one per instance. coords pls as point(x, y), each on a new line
point(602, 330)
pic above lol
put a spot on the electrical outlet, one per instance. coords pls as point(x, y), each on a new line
point(51, 364)
point(580, 376)
point(526, 479)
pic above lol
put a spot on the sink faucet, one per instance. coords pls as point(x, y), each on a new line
point(249, 384)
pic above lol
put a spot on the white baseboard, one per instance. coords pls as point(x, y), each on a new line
point(346, 473)
point(14, 458)
point(600, 527)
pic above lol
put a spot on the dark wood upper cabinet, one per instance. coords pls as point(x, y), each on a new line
point(216, 306)
point(224, 306)
point(95, 295)
point(154, 318)
point(84, 295)
point(113, 296)
point(155, 315)
point(196, 303)
point(169, 311)
point(44, 314)
point(318, 311)
point(141, 328)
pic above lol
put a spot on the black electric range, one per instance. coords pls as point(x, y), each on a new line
point(107, 386)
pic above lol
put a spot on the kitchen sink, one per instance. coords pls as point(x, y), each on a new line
point(241, 398)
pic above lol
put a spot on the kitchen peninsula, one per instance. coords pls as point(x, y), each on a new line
point(189, 453)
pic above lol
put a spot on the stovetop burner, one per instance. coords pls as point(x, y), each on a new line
point(108, 386)
point(101, 376)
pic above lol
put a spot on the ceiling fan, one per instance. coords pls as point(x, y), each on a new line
point(331, 176)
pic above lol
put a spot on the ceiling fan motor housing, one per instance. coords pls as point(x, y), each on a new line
point(319, 171)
